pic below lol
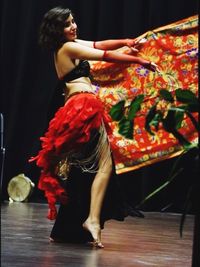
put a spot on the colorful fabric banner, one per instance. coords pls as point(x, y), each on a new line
point(174, 49)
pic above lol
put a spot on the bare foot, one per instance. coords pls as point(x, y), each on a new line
point(52, 240)
point(95, 231)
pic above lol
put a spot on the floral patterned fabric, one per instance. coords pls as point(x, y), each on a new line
point(174, 49)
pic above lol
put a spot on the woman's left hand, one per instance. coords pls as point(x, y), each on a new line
point(152, 66)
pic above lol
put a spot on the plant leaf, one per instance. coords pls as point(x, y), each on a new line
point(157, 119)
point(170, 124)
point(126, 128)
point(179, 116)
point(149, 117)
point(135, 106)
point(195, 123)
point(193, 107)
point(117, 111)
point(166, 95)
point(186, 96)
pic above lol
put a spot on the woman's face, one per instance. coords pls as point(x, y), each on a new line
point(70, 29)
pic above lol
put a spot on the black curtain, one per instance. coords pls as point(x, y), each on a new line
point(28, 81)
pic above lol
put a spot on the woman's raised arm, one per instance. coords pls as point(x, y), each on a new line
point(76, 50)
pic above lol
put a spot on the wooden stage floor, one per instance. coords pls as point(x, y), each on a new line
point(150, 241)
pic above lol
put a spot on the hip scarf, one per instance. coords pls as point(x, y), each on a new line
point(76, 135)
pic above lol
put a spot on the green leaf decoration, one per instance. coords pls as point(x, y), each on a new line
point(117, 111)
point(186, 96)
point(179, 116)
point(126, 128)
point(184, 109)
point(149, 118)
point(193, 107)
point(182, 140)
point(195, 123)
point(170, 124)
point(166, 95)
point(156, 120)
point(135, 106)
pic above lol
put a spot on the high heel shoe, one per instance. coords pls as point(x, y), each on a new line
point(95, 232)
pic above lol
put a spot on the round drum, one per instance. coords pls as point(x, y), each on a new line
point(20, 188)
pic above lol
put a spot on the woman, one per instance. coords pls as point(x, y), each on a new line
point(78, 134)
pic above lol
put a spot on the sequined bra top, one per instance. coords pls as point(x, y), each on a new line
point(81, 70)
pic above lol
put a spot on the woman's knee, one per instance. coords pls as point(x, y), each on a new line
point(106, 166)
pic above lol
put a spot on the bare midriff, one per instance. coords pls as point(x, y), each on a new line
point(82, 84)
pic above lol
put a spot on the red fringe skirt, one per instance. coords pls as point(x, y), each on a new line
point(68, 131)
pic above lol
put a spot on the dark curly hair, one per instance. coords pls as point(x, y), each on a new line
point(51, 32)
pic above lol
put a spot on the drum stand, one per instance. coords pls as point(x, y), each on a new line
point(2, 155)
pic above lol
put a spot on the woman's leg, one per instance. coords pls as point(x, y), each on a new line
point(98, 190)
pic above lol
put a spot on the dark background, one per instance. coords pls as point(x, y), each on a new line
point(28, 82)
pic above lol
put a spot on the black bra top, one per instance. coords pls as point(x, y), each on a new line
point(81, 70)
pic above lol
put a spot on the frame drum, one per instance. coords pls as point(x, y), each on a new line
point(20, 188)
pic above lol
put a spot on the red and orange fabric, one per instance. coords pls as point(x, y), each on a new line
point(174, 49)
